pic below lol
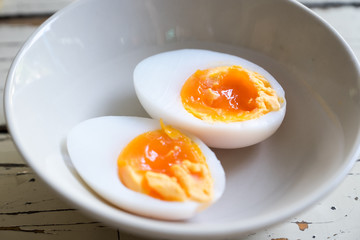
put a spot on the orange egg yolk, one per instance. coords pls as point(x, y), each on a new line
point(228, 94)
point(167, 165)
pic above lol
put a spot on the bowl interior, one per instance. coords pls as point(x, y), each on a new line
point(79, 65)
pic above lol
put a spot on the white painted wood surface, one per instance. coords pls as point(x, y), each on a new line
point(30, 210)
point(27, 7)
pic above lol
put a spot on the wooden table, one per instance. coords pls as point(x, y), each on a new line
point(30, 210)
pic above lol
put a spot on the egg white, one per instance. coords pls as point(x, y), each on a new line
point(158, 81)
point(94, 146)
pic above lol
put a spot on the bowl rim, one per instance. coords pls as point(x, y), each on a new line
point(143, 226)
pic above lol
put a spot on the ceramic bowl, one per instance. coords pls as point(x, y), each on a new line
point(79, 65)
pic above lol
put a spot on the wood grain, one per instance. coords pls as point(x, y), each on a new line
point(31, 7)
point(30, 210)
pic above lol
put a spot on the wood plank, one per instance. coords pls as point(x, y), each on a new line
point(38, 7)
point(25, 20)
point(15, 31)
point(30, 210)
point(88, 231)
point(31, 7)
point(13, 36)
point(335, 217)
point(330, 3)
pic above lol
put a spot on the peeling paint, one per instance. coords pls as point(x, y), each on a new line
point(35, 212)
point(32, 180)
point(23, 173)
point(302, 225)
point(12, 165)
point(19, 229)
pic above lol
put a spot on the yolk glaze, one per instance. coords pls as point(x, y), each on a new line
point(167, 165)
point(228, 94)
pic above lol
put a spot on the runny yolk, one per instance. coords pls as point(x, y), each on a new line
point(228, 94)
point(167, 165)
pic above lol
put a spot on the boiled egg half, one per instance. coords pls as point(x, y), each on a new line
point(145, 166)
point(225, 100)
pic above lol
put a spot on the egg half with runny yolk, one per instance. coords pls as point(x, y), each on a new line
point(225, 100)
point(146, 167)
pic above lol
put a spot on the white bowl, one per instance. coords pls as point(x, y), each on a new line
point(79, 65)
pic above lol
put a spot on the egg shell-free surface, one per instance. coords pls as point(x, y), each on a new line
point(94, 146)
point(158, 81)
